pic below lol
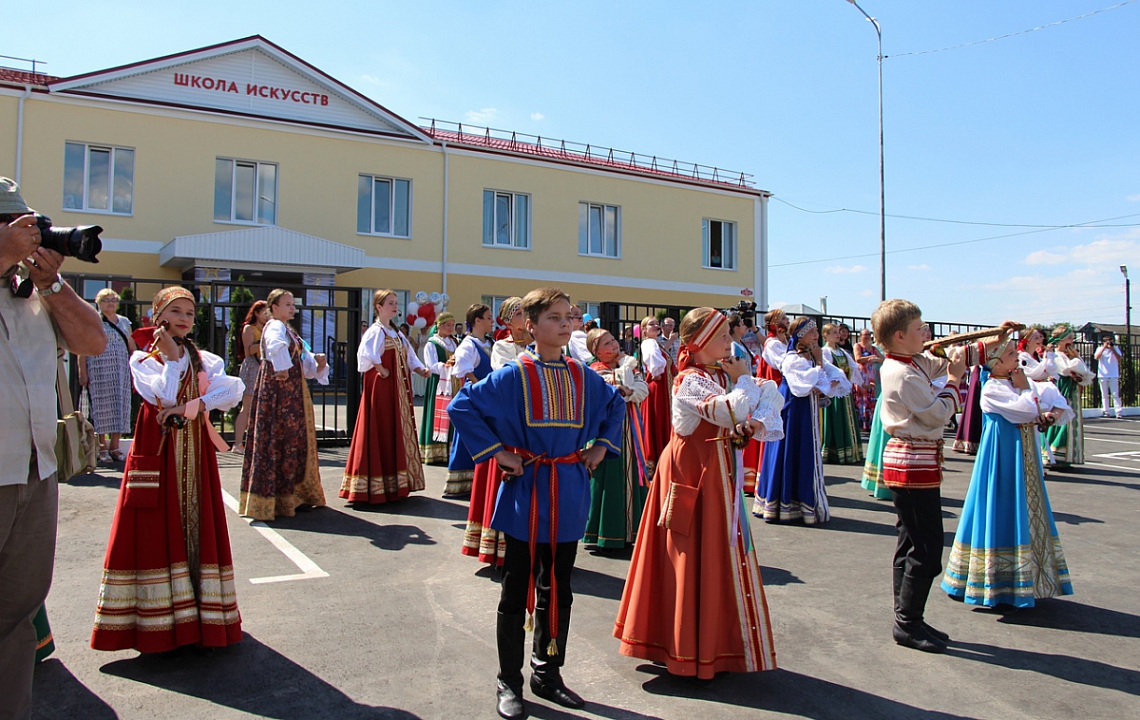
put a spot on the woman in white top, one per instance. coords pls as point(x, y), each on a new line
point(384, 462)
point(842, 443)
point(434, 425)
point(655, 411)
point(472, 364)
point(1065, 443)
point(280, 471)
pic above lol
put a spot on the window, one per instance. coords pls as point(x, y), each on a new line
point(383, 206)
point(494, 302)
point(718, 239)
point(245, 191)
point(506, 219)
point(599, 230)
point(98, 178)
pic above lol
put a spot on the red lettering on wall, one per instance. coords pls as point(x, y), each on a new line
point(232, 88)
point(324, 99)
point(180, 79)
point(195, 81)
point(269, 92)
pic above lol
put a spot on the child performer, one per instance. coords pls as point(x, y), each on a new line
point(1065, 442)
point(914, 413)
point(168, 577)
point(619, 486)
point(842, 444)
point(437, 351)
point(535, 416)
point(1006, 550)
point(693, 599)
point(659, 372)
point(384, 462)
point(790, 487)
point(280, 471)
point(480, 539)
point(1032, 356)
point(472, 364)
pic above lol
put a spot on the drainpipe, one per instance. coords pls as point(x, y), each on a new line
point(20, 130)
point(446, 170)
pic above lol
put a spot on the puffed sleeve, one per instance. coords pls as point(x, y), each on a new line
point(629, 376)
point(1034, 369)
point(802, 376)
point(466, 358)
point(653, 357)
point(371, 348)
point(767, 411)
point(700, 395)
point(502, 353)
point(275, 341)
point(225, 391)
point(309, 367)
point(837, 383)
point(1051, 400)
point(431, 359)
point(1016, 406)
point(157, 382)
point(774, 352)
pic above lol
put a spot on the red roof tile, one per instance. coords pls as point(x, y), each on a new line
point(23, 77)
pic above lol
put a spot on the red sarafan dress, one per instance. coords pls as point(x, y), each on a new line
point(656, 426)
point(384, 463)
point(693, 598)
point(168, 577)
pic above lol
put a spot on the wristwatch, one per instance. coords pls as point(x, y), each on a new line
point(53, 288)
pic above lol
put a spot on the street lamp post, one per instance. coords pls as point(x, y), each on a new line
point(882, 177)
point(1129, 379)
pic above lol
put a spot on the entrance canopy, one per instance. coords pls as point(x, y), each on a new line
point(267, 247)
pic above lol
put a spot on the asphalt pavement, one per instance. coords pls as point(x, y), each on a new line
point(375, 614)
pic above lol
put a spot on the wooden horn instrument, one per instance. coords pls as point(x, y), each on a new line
point(937, 346)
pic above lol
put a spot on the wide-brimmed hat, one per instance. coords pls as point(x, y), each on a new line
point(11, 201)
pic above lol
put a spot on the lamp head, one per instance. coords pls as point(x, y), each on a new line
point(1124, 271)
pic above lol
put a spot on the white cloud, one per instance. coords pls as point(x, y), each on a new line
point(482, 116)
point(1044, 257)
point(537, 116)
point(841, 270)
point(868, 293)
point(1107, 250)
point(1134, 198)
point(922, 267)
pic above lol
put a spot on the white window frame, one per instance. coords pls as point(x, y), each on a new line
point(706, 242)
point(515, 243)
point(588, 205)
point(391, 180)
point(257, 165)
point(114, 151)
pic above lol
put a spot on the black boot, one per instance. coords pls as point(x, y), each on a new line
point(511, 640)
point(909, 630)
point(546, 668)
point(898, 576)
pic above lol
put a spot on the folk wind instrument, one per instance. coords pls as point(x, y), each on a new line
point(938, 346)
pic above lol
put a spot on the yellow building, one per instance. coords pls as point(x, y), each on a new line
point(241, 159)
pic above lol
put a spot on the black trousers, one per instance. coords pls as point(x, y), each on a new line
point(919, 549)
point(516, 575)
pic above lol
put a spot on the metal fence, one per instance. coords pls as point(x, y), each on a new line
point(1129, 371)
point(328, 319)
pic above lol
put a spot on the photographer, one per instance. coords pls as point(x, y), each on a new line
point(1108, 375)
point(39, 314)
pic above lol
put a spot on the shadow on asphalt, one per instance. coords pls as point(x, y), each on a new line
point(1088, 476)
point(108, 478)
point(57, 693)
point(590, 582)
point(1058, 614)
point(547, 712)
point(278, 688)
point(845, 524)
point(1070, 519)
point(1063, 667)
point(793, 694)
point(771, 577)
point(856, 504)
point(327, 521)
point(417, 506)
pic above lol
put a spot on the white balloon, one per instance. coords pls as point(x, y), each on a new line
point(420, 323)
point(421, 297)
point(413, 308)
point(439, 307)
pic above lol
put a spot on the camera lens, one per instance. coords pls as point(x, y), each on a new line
point(81, 243)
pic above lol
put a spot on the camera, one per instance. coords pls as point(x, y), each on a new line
point(81, 243)
point(746, 310)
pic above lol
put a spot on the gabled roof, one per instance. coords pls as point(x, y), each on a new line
point(251, 77)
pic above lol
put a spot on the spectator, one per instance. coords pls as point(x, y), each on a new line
point(669, 339)
point(107, 378)
point(40, 314)
point(1108, 375)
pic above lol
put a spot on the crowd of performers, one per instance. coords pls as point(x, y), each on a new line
point(558, 435)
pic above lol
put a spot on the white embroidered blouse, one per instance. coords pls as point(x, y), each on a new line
point(275, 339)
point(699, 397)
point(157, 382)
point(1023, 406)
point(803, 376)
point(372, 347)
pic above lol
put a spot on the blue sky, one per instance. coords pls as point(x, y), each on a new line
point(1037, 129)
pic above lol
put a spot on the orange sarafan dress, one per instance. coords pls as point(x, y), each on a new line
point(694, 599)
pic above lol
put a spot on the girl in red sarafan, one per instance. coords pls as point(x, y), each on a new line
point(384, 463)
point(168, 578)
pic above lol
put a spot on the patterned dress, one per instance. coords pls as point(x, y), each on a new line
point(280, 470)
point(842, 444)
point(436, 352)
point(109, 380)
point(168, 577)
point(1064, 443)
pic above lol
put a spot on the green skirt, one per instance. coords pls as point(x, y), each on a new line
point(617, 499)
point(840, 439)
point(1066, 443)
point(433, 453)
point(873, 467)
point(44, 644)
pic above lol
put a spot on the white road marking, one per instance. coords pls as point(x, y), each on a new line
point(1115, 467)
point(309, 569)
point(1129, 455)
point(1104, 439)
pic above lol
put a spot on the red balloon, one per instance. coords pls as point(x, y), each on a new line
point(411, 319)
point(425, 310)
point(431, 318)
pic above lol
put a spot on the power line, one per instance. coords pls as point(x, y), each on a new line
point(1014, 34)
point(961, 222)
point(949, 244)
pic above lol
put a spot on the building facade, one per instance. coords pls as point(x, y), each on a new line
point(242, 160)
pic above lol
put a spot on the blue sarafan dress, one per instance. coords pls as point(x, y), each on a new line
point(471, 357)
point(1006, 550)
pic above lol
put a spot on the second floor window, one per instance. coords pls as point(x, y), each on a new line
point(506, 219)
point(98, 178)
point(383, 206)
point(245, 191)
point(718, 240)
point(599, 230)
